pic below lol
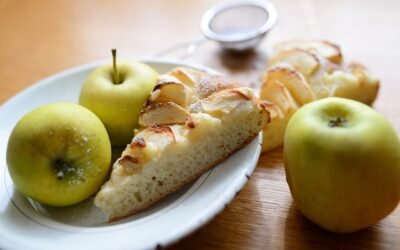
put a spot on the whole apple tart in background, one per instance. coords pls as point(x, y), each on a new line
point(302, 71)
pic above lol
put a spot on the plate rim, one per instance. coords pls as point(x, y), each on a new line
point(210, 211)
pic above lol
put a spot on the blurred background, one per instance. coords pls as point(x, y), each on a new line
point(42, 37)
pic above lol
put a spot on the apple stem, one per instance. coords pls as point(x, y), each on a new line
point(115, 69)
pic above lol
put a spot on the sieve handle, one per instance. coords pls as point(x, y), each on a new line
point(182, 50)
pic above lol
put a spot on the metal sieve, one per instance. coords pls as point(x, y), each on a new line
point(239, 25)
point(236, 25)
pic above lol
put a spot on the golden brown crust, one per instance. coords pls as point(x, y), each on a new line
point(163, 129)
point(242, 94)
point(265, 107)
point(286, 70)
point(130, 165)
point(163, 83)
point(190, 123)
point(336, 58)
point(138, 142)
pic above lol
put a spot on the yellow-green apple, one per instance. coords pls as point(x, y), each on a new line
point(59, 154)
point(116, 93)
point(342, 163)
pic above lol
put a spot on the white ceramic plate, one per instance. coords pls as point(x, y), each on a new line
point(25, 224)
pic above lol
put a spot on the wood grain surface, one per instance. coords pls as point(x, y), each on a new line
point(42, 37)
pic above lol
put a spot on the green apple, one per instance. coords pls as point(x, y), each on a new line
point(59, 154)
point(342, 164)
point(116, 94)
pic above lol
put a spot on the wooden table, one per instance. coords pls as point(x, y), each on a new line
point(41, 37)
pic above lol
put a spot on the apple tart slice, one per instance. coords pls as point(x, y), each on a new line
point(193, 121)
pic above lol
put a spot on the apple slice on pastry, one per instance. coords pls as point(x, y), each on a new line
point(294, 82)
point(277, 93)
point(281, 106)
point(329, 50)
point(166, 154)
point(274, 130)
point(298, 59)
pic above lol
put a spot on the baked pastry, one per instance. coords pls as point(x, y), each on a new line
point(192, 121)
point(306, 71)
point(321, 64)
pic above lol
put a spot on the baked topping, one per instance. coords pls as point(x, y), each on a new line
point(166, 113)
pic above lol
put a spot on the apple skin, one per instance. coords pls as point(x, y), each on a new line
point(118, 105)
point(342, 178)
point(48, 138)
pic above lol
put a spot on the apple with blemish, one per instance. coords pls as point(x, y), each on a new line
point(59, 154)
